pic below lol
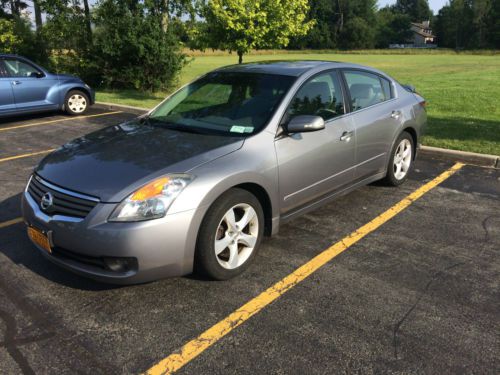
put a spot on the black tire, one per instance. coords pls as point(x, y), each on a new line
point(207, 262)
point(390, 178)
point(83, 100)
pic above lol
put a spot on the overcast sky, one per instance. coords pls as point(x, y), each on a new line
point(434, 4)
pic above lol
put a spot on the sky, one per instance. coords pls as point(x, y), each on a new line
point(434, 4)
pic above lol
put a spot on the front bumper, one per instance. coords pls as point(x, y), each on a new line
point(156, 248)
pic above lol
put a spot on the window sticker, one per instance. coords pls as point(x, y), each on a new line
point(241, 129)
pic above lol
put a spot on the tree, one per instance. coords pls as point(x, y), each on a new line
point(132, 49)
point(392, 28)
point(417, 10)
point(9, 41)
point(242, 25)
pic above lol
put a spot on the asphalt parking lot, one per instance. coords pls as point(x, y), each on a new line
point(420, 294)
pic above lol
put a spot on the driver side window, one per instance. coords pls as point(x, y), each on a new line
point(17, 68)
point(320, 96)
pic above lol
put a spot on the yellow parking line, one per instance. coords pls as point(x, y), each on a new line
point(196, 346)
point(11, 222)
point(26, 155)
point(59, 120)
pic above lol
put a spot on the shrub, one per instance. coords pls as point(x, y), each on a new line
point(131, 49)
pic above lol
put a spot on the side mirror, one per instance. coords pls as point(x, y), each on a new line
point(305, 123)
point(37, 75)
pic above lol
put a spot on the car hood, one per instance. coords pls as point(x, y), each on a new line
point(113, 162)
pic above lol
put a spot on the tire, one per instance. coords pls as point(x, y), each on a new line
point(76, 103)
point(236, 247)
point(401, 160)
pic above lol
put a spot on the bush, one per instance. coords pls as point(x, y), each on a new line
point(131, 49)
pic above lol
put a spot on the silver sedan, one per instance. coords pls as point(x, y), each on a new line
point(198, 181)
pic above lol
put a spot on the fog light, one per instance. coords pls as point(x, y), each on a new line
point(120, 264)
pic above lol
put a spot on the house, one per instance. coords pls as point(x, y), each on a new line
point(422, 34)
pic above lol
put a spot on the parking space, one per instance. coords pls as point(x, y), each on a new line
point(417, 294)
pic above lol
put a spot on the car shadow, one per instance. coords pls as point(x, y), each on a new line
point(31, 116)
point(15, 245)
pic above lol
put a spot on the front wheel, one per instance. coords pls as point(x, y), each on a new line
point(76, 102)
point(230, 235)
point(401, 160)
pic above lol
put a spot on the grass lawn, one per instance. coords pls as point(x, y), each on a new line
point(462, 91)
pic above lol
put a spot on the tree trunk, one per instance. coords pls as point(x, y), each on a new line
point(14, 8)
point(38, 15)
point(240, 57)
point(88, 21)
point(164, 16)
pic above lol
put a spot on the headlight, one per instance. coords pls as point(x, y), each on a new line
point(152, 200)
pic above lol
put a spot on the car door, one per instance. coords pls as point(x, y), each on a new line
point(312, 164)
point(376, 119)
point(7, 103)
point(31, 86)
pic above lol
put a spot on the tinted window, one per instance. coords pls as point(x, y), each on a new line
point(320, 96)
point(17, 68)
point(224, 102)
point(365, 89)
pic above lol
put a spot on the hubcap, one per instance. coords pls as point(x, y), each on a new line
point(236, 236)
point(402, 159)
point(77, 103)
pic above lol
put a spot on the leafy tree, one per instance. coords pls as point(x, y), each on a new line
point(9, 41)
point(324, 32)
point(357, 34)
point(132, 49)
point(242, 25)
point(392, 27)
point(417, 10)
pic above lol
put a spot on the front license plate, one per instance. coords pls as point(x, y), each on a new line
point(40, 239)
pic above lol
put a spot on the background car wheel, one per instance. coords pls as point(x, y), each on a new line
point(401, 160)
point(230, 235)
point(76, 102)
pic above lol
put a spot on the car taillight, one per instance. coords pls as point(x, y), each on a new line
point(423, 104)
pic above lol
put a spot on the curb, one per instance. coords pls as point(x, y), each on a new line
point(483, 160)
point(121, 107)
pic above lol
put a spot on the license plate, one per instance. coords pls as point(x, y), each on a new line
point(40, 239)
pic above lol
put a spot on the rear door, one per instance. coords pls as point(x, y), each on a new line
point(312, 164)
point(31, 86)
point(376, 118)
point(7, 103)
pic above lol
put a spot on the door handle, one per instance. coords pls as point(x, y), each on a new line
point(346, 136)
point(15, 83)
point(395, 114)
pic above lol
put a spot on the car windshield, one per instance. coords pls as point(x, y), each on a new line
point(231, 103)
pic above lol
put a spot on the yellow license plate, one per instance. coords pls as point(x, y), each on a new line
point(40, 239)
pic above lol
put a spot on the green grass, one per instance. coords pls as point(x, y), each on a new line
point(462, 90)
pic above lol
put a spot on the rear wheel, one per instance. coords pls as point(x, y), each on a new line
point(230, 235)
point(76, 102)
point(401, 160)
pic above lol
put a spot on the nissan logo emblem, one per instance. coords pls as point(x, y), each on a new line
point(47, 201)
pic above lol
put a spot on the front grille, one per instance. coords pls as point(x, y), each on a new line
point(64, 202)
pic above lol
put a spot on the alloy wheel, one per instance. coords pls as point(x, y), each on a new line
point(402, 159)
point(236, 236)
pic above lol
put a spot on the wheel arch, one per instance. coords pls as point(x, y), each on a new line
point(411, 130)
point(265, 201)
point(69, 88)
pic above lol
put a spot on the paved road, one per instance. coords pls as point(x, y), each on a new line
point(418, 295)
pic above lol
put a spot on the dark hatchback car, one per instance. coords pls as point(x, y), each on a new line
point(26, 87)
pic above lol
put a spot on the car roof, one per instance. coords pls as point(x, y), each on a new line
point(10, 55)
point(288, 67)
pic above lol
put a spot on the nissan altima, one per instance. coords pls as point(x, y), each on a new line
point(196, 183)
